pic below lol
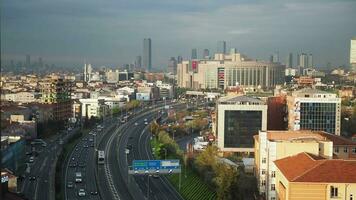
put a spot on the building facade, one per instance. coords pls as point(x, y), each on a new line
point(311, 109)
point(353, 54)
point(229, 70)
point(239, 118)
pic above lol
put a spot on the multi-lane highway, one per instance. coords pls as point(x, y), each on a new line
point(39, 180)
point(111, 179)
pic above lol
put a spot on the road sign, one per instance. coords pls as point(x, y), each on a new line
point(155, 167)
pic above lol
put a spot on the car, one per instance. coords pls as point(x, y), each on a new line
point(146, 123)
point(91, 140)
point(32, 178)
point(82, 164)
point(94, 192)
point(81, 192)
point(73, 164)
point(32, 159)
point(70, 184)
point(129, 146)
point(73, 158)
point(145, 120)
point(136, 123)
point(28, 153)
point(92, 145)
point(155, 176)
point(44, 145)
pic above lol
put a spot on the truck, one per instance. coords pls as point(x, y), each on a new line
point(78, 177)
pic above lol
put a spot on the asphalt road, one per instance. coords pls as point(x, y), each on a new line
point(43, 167)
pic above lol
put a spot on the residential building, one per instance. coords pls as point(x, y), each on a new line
point(308, 176)
point(311, 109)
point(165, 90)
point(353, 54)
point(172, 65)
point(274, 145)
point(87, 72)
point(229, 70)
point(57, 91)
point(206, 54)
point(147, 54)
point(21, 97)
point(239, 118)
point(138, 62)
point(112, 76)
point(289, 62)
point(276, 115)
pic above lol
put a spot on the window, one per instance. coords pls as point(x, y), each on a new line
point(273, 198)
point(273, 174)
point(263, 182)
point(336, 150)
point(333, 191)
point(273, 187)
point(351, 197)
point(263, 160)
point(345, 149)
point(263, 172)
point(354, 150)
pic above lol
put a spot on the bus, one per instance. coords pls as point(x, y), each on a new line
point(101, 157)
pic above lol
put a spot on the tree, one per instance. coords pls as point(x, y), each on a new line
point(206, 160)
point(225, 180)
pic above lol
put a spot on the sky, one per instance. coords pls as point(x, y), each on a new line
point(111, 32)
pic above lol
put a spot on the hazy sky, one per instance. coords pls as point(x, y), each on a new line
point(111, 32)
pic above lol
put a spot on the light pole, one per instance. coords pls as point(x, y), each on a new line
point(148, 190)
point(127, 151)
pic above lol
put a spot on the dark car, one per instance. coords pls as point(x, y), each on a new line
point(32, 178)
point(129, 146)
point(94, 192)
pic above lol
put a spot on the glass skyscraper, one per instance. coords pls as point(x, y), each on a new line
point(147, 54)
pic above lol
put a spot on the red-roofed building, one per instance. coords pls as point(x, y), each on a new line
point(307, 176)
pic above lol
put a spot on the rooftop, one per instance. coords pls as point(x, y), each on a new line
point(305, 167)
point(240, 99)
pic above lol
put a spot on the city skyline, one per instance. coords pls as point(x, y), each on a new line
point(115, 38)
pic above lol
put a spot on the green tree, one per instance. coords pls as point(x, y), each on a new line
point(225, 180)
point(206, 160)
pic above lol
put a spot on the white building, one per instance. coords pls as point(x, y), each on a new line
point(239, 118)
point(94, 108)
point(21, 97)
point(274, 145)
point(165, 90)
point(291, 72)
point(311, 109)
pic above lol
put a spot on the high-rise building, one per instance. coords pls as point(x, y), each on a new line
point(303, 60)
point(310, 60)
point(87, 72)
point(194, 54)
point(353, 54)
point(206, 54)
point(275, 57)
point(40, 62)
point(147, 54)
point(57, 91)
point(28, 61)
point(289, 61)
point(138, 62)
point(239, 118)
point(221, 47)
point(172, 65)
point(311, 109)
point(179, 59)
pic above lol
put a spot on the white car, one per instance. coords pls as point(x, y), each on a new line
point(81, 193)
point(31, 159)
point(146, 123)
point(136, 124)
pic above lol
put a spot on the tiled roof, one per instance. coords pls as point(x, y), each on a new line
point(305, 167)
point(292, 135)
point(336, 139)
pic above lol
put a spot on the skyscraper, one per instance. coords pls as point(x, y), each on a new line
point(289, 61)
point(221, 47)
point(28, 61)
point(172, 65)
point(179, 59)
point(40, 62)
point(353, 54)
point(303, 60)
point(87, 72)
point(310, 60)
point(194, 54)
point(147, 54)
point(138, 62)
point(206, 53)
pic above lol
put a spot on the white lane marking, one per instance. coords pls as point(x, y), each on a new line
point(36, 188)
point(43, 163)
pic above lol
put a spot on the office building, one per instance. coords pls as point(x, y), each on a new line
point(194, 54)
point(289, 62)
point(311, 109)
point(239, 118)
point(275, 57)
point(303, 60)
point(308, 176)
point(87, 72)
point(221, 47)
point(206, 54)
point(353, 54)
point(179, 59)
point(138, 62)
point(172, 65)
point(40, 62)
point(147, 54)
point(229, 70)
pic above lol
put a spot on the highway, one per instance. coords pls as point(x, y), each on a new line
point(43, 168)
